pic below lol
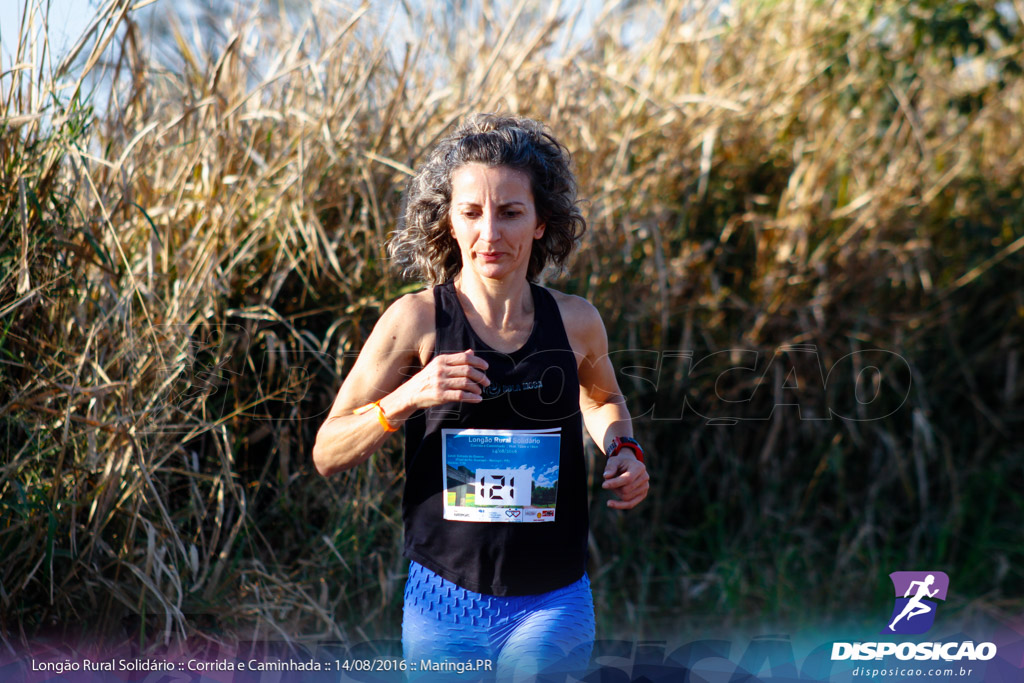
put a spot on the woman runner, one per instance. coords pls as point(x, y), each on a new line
point(493, 378)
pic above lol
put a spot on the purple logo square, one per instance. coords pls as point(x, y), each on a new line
point(915, 603)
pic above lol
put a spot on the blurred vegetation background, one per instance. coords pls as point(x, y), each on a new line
point(806, 223)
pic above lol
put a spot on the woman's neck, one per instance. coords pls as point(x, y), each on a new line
point(499, 305)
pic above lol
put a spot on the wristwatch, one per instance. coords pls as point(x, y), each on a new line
point(620, 442)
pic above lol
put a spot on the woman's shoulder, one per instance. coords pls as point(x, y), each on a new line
point(580, 317)
point(416, 304)
point(409, 322)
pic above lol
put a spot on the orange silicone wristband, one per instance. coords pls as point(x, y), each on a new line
point(382, 417)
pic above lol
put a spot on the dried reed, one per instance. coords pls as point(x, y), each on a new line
point(187, 271)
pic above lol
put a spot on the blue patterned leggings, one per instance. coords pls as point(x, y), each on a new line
point(522, 636)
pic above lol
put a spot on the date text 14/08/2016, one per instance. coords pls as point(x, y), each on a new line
point(421, 665)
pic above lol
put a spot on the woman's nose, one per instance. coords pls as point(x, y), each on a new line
point(489, 227)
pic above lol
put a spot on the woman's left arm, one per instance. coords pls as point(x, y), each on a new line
point(602, 403)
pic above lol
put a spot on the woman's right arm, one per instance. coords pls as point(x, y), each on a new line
point(401, 341)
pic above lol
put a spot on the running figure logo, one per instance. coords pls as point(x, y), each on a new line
point(913, 611)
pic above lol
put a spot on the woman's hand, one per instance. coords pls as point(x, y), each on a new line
point(449, 377)
point(627, 477)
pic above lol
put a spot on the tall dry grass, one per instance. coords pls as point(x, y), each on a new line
point(188, 271)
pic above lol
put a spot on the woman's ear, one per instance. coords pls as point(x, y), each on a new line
point(538, 232)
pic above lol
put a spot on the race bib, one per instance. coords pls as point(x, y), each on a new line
point(500, 475)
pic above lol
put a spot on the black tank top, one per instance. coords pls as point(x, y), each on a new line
point(453, 492)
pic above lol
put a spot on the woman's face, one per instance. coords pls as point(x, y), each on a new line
point(494, 220)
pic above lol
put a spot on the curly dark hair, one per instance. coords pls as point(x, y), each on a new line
point(423, 246)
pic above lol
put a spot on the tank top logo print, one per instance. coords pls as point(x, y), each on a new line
point(500, 475)
point(492, 390)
